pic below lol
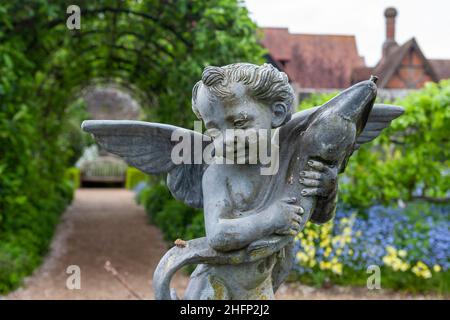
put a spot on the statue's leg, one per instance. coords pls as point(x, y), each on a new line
point(204, 285)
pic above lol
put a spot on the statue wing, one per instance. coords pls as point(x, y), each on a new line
point(148, 147)
point(379, 118)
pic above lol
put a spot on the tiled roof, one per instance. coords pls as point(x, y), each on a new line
point(361, 74)
point(387, 66)
point(312, 60)
point(276, 40)
point(441, 67)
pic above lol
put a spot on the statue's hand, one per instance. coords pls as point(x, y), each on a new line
point(286, 217)
point(320, 180)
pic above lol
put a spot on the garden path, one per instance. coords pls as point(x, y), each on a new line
point(106, 225)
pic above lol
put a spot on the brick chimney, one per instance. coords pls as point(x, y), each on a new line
point(390, 43)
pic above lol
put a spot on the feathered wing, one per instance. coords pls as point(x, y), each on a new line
point(379, 118)
point(148, 147)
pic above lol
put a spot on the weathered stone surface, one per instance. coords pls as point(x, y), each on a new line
point(250, 218)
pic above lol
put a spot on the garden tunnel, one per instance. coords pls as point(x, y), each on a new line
point(156, 49)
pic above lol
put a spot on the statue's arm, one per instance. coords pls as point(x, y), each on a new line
point(224, 231)
point(320, 180)
point(325, 208)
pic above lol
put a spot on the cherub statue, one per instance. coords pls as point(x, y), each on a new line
point(251, 218)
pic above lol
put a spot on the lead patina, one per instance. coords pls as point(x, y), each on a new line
point(251, 217)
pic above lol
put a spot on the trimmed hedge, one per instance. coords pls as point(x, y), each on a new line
point(174, 218)
point(134, 177)
point(73, 176)
point(28, 234)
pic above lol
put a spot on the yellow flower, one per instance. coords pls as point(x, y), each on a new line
point(404, 266)
point(347, 230)
point(347, 239)
point(325, 242)
point(426, 274)
point(302, 257)
point(324, 265)
point(311, 252)
point(437, 268)
point(402, 253)
point(422, 265)
point(421, 270)
point(391, 250)
point(337, 268)
point(387, 260)
point(344, 220)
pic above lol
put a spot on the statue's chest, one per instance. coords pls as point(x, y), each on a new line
point(243, 191)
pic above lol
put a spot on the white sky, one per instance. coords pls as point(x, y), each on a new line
point(426, 20)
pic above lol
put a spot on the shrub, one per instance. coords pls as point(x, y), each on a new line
point(134, 177)
point(174, 218)
point(27, 234)
point(73, 177)
point(153, 198)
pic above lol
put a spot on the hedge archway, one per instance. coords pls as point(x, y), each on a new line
point(156, 48)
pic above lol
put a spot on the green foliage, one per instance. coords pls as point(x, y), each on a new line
point(33, 191)
point(27, 231)
point(174, 218)
point(134, 177)
point(76, 141)
point(156, 49)
point(315, 100)
point(153, 198)
point(73, 176)
point(410, 159)
point(390, 279)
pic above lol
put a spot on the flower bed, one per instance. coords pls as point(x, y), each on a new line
point(411, 246)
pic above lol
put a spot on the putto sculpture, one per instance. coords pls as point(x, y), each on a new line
point(260, 173)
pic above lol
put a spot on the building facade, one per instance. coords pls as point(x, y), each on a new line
point(321, 63)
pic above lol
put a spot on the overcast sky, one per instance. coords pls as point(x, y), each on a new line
point(426, 20)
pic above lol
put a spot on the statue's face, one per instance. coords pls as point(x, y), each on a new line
point(240, 112)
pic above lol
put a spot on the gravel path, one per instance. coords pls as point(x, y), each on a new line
point(106, 225)
point(101, 225)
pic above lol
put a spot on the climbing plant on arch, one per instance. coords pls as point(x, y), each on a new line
point(158, 48)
